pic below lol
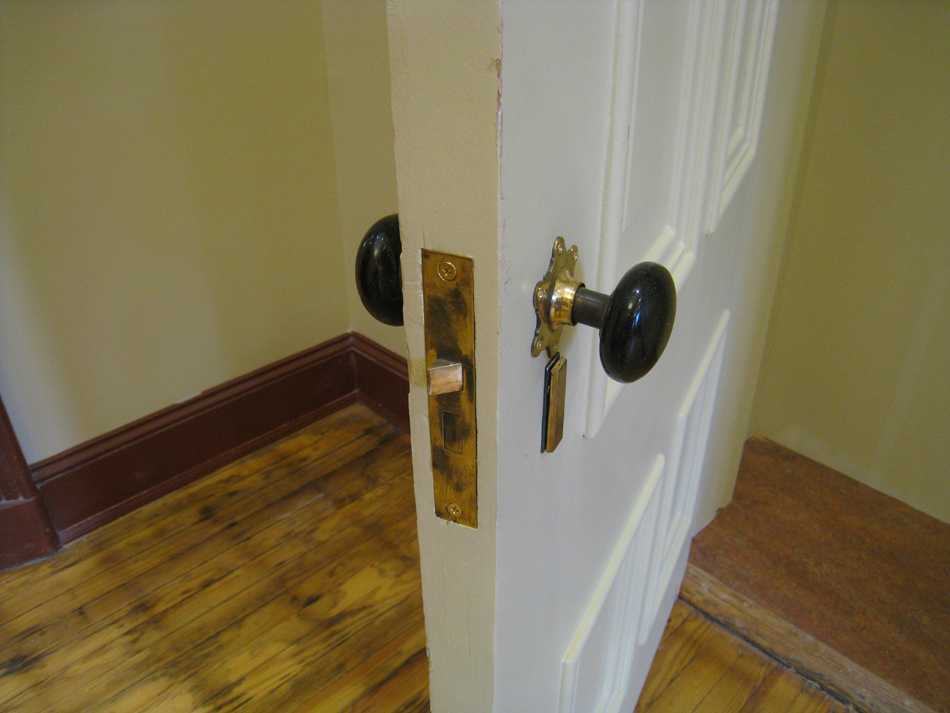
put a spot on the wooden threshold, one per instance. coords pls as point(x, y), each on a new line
point(861, 572)
point(791, 646)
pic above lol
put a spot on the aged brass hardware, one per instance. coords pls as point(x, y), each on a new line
point(555, 385)
point(449, 309)
point(554, 299)
point(445, 377)
point(635, 320)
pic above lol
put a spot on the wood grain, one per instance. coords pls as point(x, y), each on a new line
point(289, 581)
point(702, 668)
point(222, 506)
point(262, 583)
point(140, 528)
point(830, 669)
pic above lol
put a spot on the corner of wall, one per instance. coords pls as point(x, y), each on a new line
point(358, 69)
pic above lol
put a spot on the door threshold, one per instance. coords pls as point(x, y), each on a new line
point(833, 672)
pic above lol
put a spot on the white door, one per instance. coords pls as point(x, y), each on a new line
point(635, 130)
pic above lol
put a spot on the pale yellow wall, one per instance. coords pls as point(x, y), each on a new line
point(857, 365)
point(168, 205)
point(358, 66)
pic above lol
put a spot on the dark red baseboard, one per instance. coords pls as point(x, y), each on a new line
point(25, 532)
point(382, 380)
point(99, 480)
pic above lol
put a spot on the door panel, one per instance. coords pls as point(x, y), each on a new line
point(597, 667)
point(689, 90)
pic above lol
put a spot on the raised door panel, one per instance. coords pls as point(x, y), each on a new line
point(688, 92)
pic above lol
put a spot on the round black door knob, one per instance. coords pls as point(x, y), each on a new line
point(378, 271)
point(635, 321)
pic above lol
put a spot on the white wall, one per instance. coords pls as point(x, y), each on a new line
point(170, 199)
point(856, 366)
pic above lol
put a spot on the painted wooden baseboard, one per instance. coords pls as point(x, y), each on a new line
point(99, 480)
point(26, 532)
point(382, 380)
point(788, 644)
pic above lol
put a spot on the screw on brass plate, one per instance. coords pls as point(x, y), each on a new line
point(453, 509)
point(447, 271)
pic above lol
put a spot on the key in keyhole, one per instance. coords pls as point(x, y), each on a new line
point(555, 384)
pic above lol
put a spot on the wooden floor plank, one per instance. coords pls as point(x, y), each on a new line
point(94, 554)
point(701, 667)
point(697, 678)
point(289, 581)
point(156, 644)
point(738, 685)
point(164, 541)
point(278, 568)
point(811, 700)
point(317, 614)
point(240, 564)
point(368, 675)
point(223, 633)
point(406, 690)
point(776, 694)
point(686, 634)
point(281, 523)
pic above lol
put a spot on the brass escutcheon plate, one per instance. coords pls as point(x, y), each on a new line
point(553, 298)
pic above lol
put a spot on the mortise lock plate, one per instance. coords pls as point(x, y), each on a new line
point(449, 307)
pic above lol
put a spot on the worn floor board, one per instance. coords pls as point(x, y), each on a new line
point(701, 668)
point(289, 581)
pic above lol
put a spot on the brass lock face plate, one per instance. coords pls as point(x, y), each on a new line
point(448, 291)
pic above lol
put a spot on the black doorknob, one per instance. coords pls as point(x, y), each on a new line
point(378, 271)
point(635, 320)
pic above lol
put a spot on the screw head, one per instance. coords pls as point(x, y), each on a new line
point(447, 271)
point(454, 509)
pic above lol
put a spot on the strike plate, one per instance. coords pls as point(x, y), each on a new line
point(448, 291)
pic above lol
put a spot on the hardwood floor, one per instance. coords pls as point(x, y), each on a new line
point(701, 668)
point(288, 581)
point(235, 593)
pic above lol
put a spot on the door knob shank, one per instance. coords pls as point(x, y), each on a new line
point(589, 307)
